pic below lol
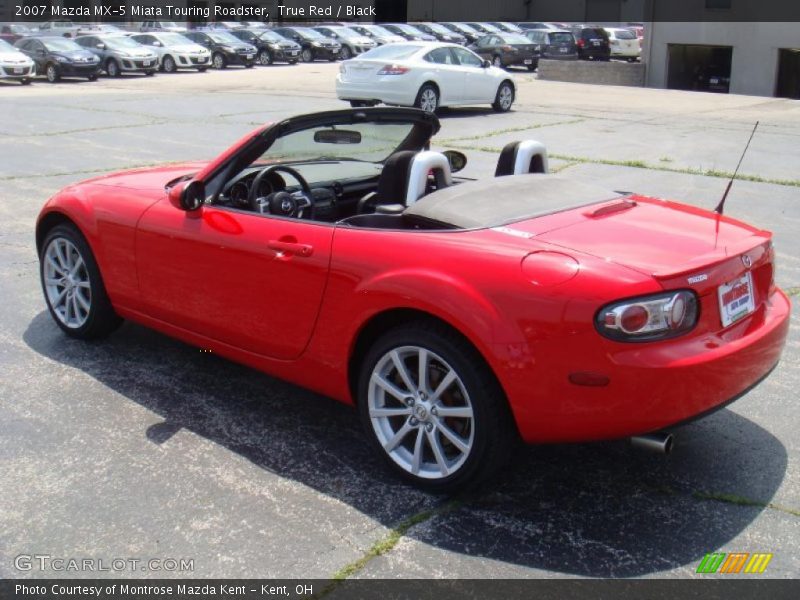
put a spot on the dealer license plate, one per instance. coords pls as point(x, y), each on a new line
point(528, 61)
point(250, 56)
point(736, 299)
point(563, 50)
point(18, 71)
point(146, 63)
point(202, 59)
point(293, 53)
point(335, 50)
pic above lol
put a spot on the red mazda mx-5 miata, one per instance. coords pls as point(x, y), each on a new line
point(336, 251)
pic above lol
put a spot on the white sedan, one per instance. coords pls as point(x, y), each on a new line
point(427, 75)
point(175, 51)
point(624, 43)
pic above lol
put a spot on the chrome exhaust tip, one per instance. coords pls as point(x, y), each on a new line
point(654, 442)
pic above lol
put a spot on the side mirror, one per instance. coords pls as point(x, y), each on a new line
point(157, 44)
point(101, 46)
point(486, 64)
point(456, 159)
point(187, 195)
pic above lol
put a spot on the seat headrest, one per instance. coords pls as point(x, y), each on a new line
point(518, 158)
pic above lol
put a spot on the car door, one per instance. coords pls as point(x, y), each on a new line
point(252, 281)
point(449, 74)
point(479, 85)
point(483, 48)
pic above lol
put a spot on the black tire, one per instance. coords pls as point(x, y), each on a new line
point(249, 65)
point(504, 98)
point(52, 73)
point(431, 102)
point(306, 55)
point(101, 319)
point(264, 58)
point(149, 73)
point(345, 53)
point(202, 69)
point(532, 67)
point(25, 81)
point(168, 65)
point(92, 77)
point(333, 59)
point(293, 62)
point(218, 61)
point(495, 435)
point(112, 68)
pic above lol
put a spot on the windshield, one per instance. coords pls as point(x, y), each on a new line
point(464, 27)
point(439, 28)
point(391, 51)
point(561, 37)
point(378, 30)
point(408, 29)
point(369, 142)
point(120, 42)
point(488, 27)
point(514, 38)
point(173, 39)
point(271, 36)
point(166, 24)
point(624, 34)
point(346, 33)
point(60, 45)
point(222, 37)
point(310, 34)
point(6, 47)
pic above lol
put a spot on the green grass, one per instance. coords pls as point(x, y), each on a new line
point(508, 130)
point(792, 291)
point(742, 501)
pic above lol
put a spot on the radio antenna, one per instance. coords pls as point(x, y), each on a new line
point(721, 204)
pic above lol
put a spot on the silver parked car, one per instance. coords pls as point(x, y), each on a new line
point(161, 27)
point(119, 54)
point(175, 51)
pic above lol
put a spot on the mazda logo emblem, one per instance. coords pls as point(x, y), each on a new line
point(286, 206)
point(746, 261)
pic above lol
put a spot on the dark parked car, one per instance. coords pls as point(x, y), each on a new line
point(271, 46)
point(315, 46)
point(409, 32)
point(592, 42)
point(472, 35)
point(441, 33)
point(507, 50)
point(555, 45)
point(353, 43)
point(225, 48)
point(11, 32)
point(58, 57)
point(507, 27)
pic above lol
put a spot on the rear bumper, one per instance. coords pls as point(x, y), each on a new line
point(651, 386)
point(518, 60)
point(388, 92)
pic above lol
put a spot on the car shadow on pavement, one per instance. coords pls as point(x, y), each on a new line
point(600, 510)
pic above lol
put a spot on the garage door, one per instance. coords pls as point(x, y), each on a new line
point(699, 67)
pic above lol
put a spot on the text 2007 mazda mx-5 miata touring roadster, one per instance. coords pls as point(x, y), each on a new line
point(336, 251)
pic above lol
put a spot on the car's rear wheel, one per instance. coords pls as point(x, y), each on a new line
point(52, 74)
point(427, 98)
point(306, 55)
point(169, 65)
point(73, 287)
point(112, 68)
point(504, 98)
point(433, 409)
point(218, 61)
point(264, 58)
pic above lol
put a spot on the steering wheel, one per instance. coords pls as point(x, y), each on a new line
point(282, 203)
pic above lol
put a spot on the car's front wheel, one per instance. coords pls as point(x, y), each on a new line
point(504, 98)
point(73, 287)
point(264, 58)
point(112, 68)
point(218, 61)
point(433, 409)
point(345, 53)
point(169, 65)
point(307, 55)
point(427, 98)
point(52, 73)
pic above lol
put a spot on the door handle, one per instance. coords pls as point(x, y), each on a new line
point(294, 248)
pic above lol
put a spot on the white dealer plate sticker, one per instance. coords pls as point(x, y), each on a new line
point(736, 299)
point(528, 61)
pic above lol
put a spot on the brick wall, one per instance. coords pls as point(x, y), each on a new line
point(584, 71)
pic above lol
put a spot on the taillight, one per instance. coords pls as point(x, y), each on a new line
point(393, 70)
point(580, 42)
point(649, 318)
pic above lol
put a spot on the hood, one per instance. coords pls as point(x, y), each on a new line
point(188, 48)
point(148, 178)
point(79, 55)
point(14, 57)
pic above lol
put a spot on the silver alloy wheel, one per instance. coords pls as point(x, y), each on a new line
point(66, 282)
point(113, 68)
point(306, 55)
point(169, 65)
point(428, 100)
point(506, 96)
point(52, 73)
point(264, 58)
point(421, 412)
point(219, 61)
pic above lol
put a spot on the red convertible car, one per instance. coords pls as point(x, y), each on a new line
point(336, 251)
